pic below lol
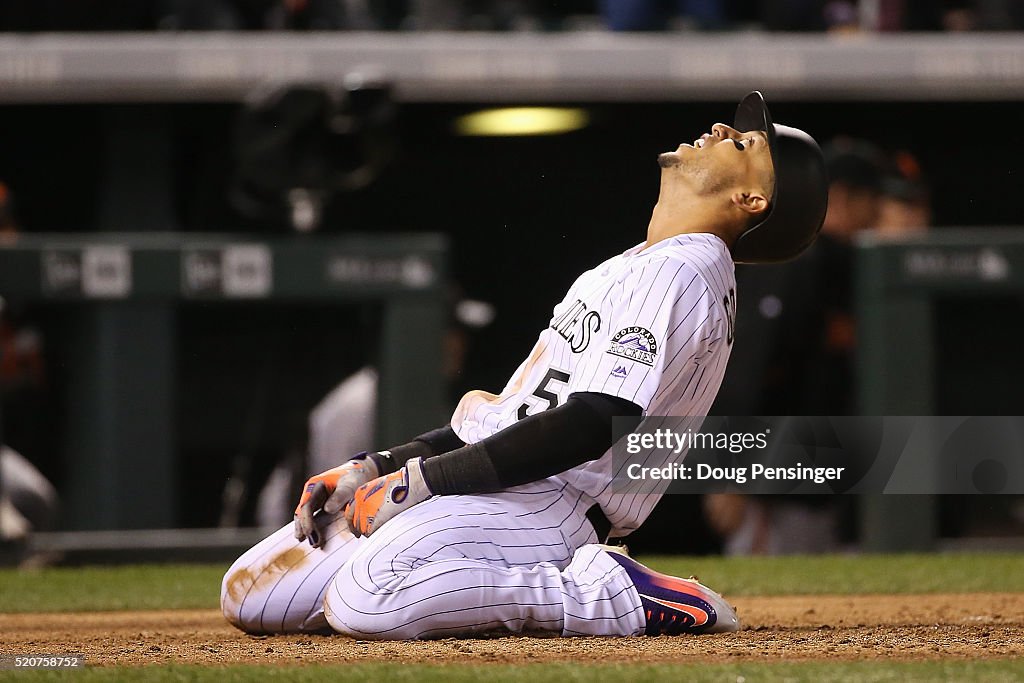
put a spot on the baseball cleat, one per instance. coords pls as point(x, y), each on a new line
point(673, 605)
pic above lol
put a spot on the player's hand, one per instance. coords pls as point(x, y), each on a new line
point(381, 499)
point(330, 491)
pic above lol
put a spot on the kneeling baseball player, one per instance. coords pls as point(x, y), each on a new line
point(496, 521)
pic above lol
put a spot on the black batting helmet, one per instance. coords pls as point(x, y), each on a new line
point(798, 204)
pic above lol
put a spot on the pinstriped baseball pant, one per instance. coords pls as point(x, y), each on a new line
point(519, 559)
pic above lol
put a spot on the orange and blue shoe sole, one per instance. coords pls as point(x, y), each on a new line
point(673, 606)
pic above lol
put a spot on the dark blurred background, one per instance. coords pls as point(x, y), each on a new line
point(525, 215)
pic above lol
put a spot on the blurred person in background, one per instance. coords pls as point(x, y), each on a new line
point(855, 170)
point(386, 15)
point(252, 15)
point(851, 16)
point(656, 15)
point(943, 15)
point(906, 200)
point(28, 502)
point(837, 16)
point(470, 15)
point(798, 321)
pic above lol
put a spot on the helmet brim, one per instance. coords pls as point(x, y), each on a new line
point(800, 196)
point(752, 114)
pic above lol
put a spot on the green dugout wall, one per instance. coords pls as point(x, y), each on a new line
point(897, 284)
point(123, 289)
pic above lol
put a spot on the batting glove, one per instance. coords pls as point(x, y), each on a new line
point(330, 490)
point(381, 499)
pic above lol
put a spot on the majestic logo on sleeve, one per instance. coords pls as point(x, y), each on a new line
point(635, 343)
point(577, 325)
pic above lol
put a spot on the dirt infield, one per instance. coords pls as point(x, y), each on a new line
point(901, 627)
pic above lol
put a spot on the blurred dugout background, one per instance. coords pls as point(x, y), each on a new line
point(357, 130)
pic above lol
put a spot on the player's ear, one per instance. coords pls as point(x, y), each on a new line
point(753, 202)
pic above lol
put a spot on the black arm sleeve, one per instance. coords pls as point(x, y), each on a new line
point(536, 447)
point(426, 445)
point(441, 440)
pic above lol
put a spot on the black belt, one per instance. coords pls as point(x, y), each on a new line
point(600, 523)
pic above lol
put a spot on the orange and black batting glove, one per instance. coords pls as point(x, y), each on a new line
point(330, 491)
point(381, 499)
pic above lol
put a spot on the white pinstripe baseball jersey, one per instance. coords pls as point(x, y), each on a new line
point(653, 326)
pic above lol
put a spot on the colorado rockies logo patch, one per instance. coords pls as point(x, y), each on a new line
point(635, 343)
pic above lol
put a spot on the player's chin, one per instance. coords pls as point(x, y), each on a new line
point(670, 159)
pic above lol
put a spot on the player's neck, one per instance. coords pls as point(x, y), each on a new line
point(676, 215)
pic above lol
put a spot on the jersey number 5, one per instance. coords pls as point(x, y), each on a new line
point(543, 391)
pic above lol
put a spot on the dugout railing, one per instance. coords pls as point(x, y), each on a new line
point(571, 66)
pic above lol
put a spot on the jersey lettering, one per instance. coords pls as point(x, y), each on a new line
point(577, 326)
point(729, 302)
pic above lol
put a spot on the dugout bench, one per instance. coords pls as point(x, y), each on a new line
point(123, 290)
